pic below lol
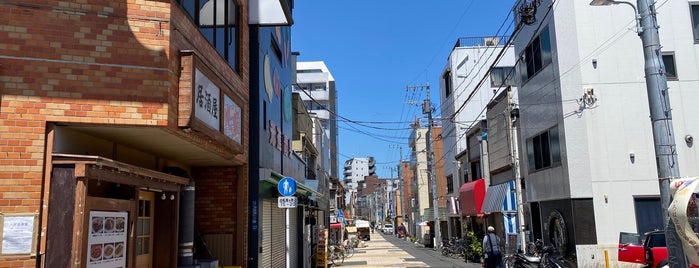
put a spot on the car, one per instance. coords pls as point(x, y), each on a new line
point(387, 228)
point(631, 248)
point(655, 249)
point(652, 252)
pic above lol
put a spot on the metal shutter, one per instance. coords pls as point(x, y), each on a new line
point(265, 257)
point(294, 236)
point(278, 236)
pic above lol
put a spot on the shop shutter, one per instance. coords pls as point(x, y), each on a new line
point(294, 237)
point(265, 257)
point(278, 236)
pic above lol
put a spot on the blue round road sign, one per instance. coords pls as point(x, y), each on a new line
point(287, 186)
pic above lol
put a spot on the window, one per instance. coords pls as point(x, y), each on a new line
point(447, 83)
point(535, 56)
point(694, 9)
point(670, 67)
point(450, 184)
point(217, 20)
point(502, 77)
point(543, 150)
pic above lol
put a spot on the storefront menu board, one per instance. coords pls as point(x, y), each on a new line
point(106, 243)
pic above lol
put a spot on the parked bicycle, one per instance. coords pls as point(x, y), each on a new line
point(454, 248)
point(348, 246)
point(545, 258)
point(336, 255)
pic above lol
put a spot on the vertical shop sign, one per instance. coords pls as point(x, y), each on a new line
point(232, 119)
point(106, 243)
point(322, 248)
point(207, 100)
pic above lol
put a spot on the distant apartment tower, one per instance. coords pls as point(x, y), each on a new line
point(317, 87)
point(355, 171)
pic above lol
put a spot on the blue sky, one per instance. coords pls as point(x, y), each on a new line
point(374, 50)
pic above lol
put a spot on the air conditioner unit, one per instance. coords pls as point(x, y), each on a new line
point(491, 41)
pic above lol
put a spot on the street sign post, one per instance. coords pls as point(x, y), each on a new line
point(287, 188)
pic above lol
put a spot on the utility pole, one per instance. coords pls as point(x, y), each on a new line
point(661, 119)
point(514, 115)
point(427, 109)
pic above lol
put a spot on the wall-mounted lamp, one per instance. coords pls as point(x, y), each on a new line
point(632, 157)
point(594, 63)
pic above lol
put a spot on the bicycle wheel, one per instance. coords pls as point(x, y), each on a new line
point(340, 258)
point(332, 257)
point(349, 251)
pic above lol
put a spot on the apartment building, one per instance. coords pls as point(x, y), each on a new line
point(464, 96)
point(588, 156)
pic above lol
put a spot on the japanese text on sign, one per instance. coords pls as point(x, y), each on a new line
point(287, 202)
point(206, 100)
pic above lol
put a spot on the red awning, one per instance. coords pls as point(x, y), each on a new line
point(471, 196)
point(335, 225)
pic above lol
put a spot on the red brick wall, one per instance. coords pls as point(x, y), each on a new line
point(215, 208)
point(97, 62)
point(440, 178)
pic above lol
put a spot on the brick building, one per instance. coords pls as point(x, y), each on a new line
point(122, 124)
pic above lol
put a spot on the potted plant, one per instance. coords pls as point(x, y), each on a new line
point(475, 248)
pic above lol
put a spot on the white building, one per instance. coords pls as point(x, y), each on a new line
point(588, 152)
point(355, 171)
point(320, 98)
point(462, 93)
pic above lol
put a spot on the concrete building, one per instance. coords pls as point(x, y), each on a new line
point(355, 170)
point(462, 95)
point(320, 98)
point(421, 200)
point(588, 152)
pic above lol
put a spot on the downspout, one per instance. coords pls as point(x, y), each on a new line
point(185, 254)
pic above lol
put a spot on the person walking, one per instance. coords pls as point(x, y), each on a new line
point(491, 249)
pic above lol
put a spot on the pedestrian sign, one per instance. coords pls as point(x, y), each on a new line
point(287, 186)
point(340, 214)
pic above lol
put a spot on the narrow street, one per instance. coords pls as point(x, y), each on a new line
point(390, 251)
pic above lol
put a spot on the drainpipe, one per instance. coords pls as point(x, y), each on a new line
point(185, 254)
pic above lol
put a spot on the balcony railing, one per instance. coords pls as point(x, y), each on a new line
point(484, 41)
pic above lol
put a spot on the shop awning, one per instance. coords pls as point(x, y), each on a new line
point(335, 225)
point(500, 198)
point(471, 195)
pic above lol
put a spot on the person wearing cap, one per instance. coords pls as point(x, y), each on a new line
point(491, 249)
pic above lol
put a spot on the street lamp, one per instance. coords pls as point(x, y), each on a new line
point(639, 28)
point(661, 116)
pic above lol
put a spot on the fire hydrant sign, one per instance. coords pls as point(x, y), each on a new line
point(287, 202)
point(106, 243)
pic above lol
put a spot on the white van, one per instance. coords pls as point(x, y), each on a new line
point(388, 228)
